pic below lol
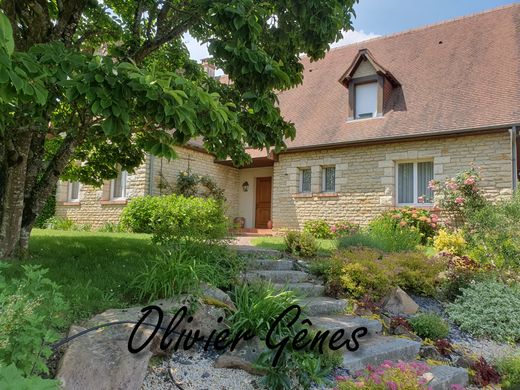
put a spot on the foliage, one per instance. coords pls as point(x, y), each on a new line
point(461, 271)
point(359, 271)
point(30, 310)
point(319, 228)
point(453, 243)
point(301, 243)
point(429, 326)
point(47, 212)
point(388, 376)
point(112, 78)
point(174, 217)
point(422, 219)
point(111, 227)
point(493, 233)
point(258, 305)
point(458, 195)
point(181, 267)
point(325, 247)
point(60, 223)
point(385, 233)
point(189, 184)
point(13, 378)
point(483, 374)
point(509, 369)
point(488, 309)
point(444, 347)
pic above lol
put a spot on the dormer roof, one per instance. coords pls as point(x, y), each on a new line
point(365, 55)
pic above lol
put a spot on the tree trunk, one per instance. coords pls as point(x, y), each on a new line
point(14, 169)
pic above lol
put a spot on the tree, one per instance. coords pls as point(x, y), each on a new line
point(104, 82)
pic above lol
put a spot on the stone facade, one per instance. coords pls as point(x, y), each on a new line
point(366, 176)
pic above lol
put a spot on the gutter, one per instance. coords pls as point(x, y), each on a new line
point(514, 163)
point(151, 174)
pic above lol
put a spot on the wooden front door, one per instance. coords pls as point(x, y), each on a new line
point(263, 202)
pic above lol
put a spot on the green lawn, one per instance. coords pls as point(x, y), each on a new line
point(326, 247)
point(94, 269)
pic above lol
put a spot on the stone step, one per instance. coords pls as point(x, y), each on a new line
point(271, 264)
point(375, 350)
point(258, 252)
point(306, 289)
point(277, 276)
point(319, 306)
point(446, 376)
point(348, 323)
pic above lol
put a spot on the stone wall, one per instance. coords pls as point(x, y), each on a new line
point(365, 176)
point(202, 164)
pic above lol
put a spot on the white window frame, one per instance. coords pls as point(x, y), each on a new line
point(324, 177)
point(124, 176)
point(301, 181)
point(69, 191)
point(415, 194)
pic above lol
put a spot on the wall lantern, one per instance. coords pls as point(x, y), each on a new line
point(245, 186)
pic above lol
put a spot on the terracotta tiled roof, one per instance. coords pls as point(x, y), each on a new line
point(456, 75)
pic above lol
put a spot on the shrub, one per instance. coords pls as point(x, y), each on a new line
point(111, 227)
point(13, 378)
point(302, 244)
point(318, 228)
point(483, 373)
point(488, 309)
point(509, 369)
point(343, 228)
point(47, 212)
point(453, 243)
point(394, 236)
point(429, 326)
point(258, 305)
point(389, 375)
point(493, 233)
point(189, 184)
point(460, 273)
point(421, 219)
point(59, 223)
point(174, 217)
point(29, 312)
point(359, 271)
point(182, 267)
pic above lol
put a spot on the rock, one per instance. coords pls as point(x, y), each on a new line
point(206, 318)
point(243, 356)
point(402, 331)
point(216, 294)
point(463, 361)
point(430, 352)
point(399, 302)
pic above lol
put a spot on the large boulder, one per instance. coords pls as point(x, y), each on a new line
point(244, 356)
point(399, 302)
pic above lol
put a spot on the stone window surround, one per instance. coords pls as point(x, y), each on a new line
point(389, 166)
point(316, 165)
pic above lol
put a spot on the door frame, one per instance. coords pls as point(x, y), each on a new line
point(255, 204)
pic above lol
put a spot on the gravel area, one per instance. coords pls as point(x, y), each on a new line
point(490, 349)
point(193, 370)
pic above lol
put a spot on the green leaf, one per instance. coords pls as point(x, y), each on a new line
point(99, 78)
point(17, 81)
point(6, 34)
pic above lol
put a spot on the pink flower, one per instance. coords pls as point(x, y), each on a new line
point(420, 199)
point(433, 225)
point(452, 185)
point(333, 228)
point(459, 200)
point(435, 218)
point(392, 385)
point(432, 185)
point(469, 181)
point(403, 223)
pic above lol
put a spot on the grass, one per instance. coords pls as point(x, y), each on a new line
point(326, 247)
point(93, 269)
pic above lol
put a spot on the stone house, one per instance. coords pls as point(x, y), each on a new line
point(375, 121)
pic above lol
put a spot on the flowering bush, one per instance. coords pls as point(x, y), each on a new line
point(389, 375)
point(484, 374)
point(453, 243)
point(422, 219)
point(459, 194)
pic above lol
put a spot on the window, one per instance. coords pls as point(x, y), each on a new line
point(329, 179)
point(73, 191)
point(365, 100)
point(118, 186)
point(412, 182)
point(305, 180)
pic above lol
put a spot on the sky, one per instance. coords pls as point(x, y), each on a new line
point(382, 17)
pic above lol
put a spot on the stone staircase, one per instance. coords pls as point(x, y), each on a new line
point(328, 313)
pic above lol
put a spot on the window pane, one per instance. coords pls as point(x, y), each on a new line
point(424, 175)
point(119, 186)
point(366, 100)
point(74, 190)
point(405, 183)
point(305, 180)
point(330, 179)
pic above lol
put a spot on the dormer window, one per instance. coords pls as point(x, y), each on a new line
point(365, 100)
point(369, 86)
